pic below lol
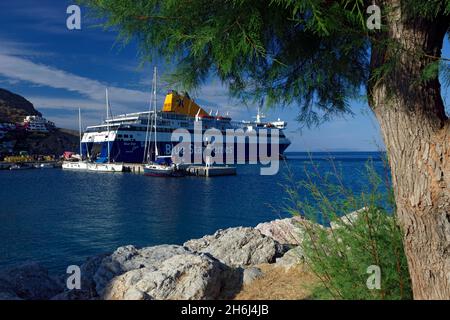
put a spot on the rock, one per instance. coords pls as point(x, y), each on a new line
point(8, 296)
point(28, 282)
point(7, 291)
point(251, 274)
point(88, 285)
point(98, 271)
point(75, 295)
point(185, 276)
point(291, 258)
point(288, 231)
point(348, 219)
point(129, 258)
point(238, 247)
point(160, 272)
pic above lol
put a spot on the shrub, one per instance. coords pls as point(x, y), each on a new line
point(339, 249)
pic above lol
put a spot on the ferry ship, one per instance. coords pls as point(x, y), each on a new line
point(126, 139)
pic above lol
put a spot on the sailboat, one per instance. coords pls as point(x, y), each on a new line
point(162, 166)
point(78, 163)
point(107, 166)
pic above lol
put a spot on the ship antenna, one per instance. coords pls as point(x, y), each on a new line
point(259, 115)
point(197, 115)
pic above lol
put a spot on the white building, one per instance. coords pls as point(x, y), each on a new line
point(38, 124)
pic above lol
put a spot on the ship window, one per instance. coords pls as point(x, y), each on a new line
point(125, 136)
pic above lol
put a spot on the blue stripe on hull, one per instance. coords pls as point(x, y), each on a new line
point(133, 151)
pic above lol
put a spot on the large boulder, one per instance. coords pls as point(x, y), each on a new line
point(160, 272)
point(238, 247)
point(289, 231)
point(88, 286)
point(129, 258)
point(28, 282)
point(98, 271)
point(185, 276)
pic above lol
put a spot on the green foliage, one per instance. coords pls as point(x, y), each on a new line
point(311, 53)
point(340, 255)
point(286, 51)
point(431, 71)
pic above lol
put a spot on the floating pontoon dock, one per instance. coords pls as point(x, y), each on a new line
point(205, 171)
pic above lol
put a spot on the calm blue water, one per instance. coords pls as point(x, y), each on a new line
point(58, 218)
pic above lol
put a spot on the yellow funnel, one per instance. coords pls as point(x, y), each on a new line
point(182, 104)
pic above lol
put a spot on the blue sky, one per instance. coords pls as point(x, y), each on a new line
point(59, 70)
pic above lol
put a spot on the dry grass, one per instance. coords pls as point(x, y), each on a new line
point(279, 284)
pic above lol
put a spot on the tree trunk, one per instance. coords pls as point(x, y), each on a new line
point(416, 132)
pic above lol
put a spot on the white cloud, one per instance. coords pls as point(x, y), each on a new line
point(65, 103)
point(18, 68)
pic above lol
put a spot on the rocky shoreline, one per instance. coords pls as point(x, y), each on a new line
point(213, 267)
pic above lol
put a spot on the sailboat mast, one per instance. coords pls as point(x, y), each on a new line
point(107, 123)
point(154, 110)
point(147, 133)
point(79, 128)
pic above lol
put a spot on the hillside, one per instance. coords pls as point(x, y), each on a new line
point(52, 143)
point(13, 109)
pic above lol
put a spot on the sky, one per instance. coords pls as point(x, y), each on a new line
point(60, 70)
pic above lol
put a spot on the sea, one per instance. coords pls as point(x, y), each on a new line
point(59, 218)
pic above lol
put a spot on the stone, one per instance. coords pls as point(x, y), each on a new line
point(251, 274)
point(289, 231)
point(98, 271)
point(129, 258)
point(28, 282)
point(186, 276)
point(291, 258)
point(347, 219)
point(238, 247)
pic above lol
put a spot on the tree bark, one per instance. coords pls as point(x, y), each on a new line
point(416, 132)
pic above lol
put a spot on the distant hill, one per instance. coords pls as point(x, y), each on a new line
point(52, 143)
point(14, 108)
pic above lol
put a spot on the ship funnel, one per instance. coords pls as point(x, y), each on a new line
point(182, 104)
